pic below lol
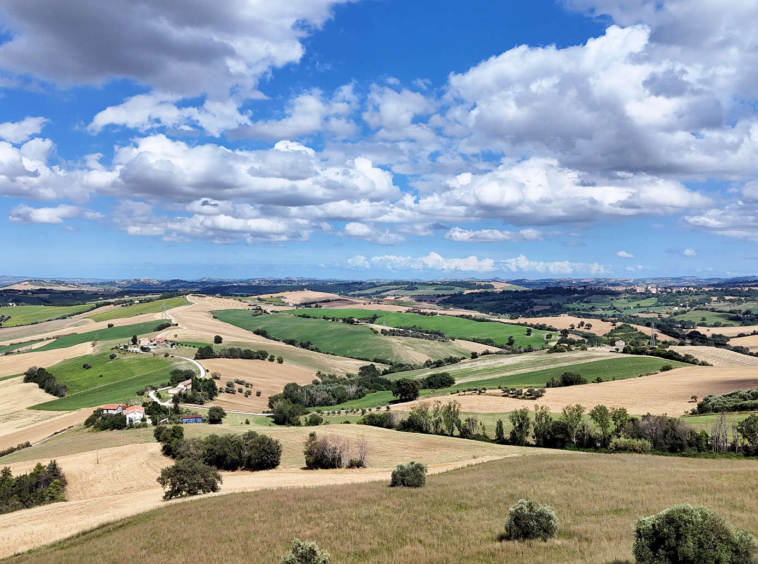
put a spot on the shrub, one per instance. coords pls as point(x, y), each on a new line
point(279, 359)
point(690, 534)
point(188, 477)
point(261, 452)
point(218, 339)
point(566, 379)
point(216, 415)
point(666, 368)
point(305, 553)
point(530, 520)
point(411, 475)
point(324, 454)
point(286, 412)
point(620, 444)
point(112, 356)
point(314, 420)
point(384, 420)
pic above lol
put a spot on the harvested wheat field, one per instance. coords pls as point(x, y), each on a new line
point(41, 425)
point(267, 377)
point(123, 482)
point(560, 322)
point(750, 342)
point(666, 392)
point(728, 331)
point(719, 357)
point(298, 297)
point(12, 364)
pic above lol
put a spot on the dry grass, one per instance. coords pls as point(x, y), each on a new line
point(720, 357)
point(18, 363)
point(302, 296)
point(728, 331)
point(456, 518)
point(559, 322)
point(267, 377)
point(750, 342)
point(666, 392)
point(123, 482)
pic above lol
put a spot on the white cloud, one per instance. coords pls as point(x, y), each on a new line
point(364, 232)
point(21, 131)
point(521, 263)
point(689, 253)
point(358, 262)
point(491, 235)
point(633, 268)
point(625, 255)
point(26, 214)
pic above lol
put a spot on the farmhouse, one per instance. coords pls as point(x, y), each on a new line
point(181, 387)
point(619, 344)
point(113, 409)
point(192, 419)
point(134, 413)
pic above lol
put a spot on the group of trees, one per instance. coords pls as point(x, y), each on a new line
point(208, 352)
point(44, 484)
point(333, 452)
point(437, 419)
point(200, 391)
point(46, 381)
point(566, 379)
point(198, 460)
point(739, 400)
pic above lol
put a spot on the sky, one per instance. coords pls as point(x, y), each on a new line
point(379, 138)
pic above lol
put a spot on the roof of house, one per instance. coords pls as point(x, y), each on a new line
point(133, 408)
point(111, 406)
point(185, 383)
point(191, 416)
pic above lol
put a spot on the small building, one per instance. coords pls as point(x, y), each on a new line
point(134, 414)
point(113, 409)
point(192, 419)
point(619, 344)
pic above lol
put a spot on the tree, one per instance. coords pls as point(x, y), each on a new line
point(218, 339)
point(451, 416)
point(620, 418)
point(499, 431)
point(286, 412)
point(411, 475)
point(529, 332)
point(690, 535)
point(305, 553)
point(216, 414)
point(602, 418)
point(188, 477)
point(748, 428)
point(572, 417)
point(135, 340)
point(521, 424)
point(543, 424)
point(279, 359)
point(530, 520)
point(406, 389)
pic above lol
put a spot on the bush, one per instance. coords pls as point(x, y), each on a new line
point(691, 534)
point(216, 415)
point(112, 356)
point(314, 420)
point(411, 475)
point(261, 452)
point(666, 368)
point(218, 340)
point(384, 420)
point(286, 412)
point(566, 379)
point(188, 477)
point(621, 444)
point(305, 553)
point(530, 520)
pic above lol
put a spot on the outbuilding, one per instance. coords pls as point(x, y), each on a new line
point(192, 419)
point(113, 409)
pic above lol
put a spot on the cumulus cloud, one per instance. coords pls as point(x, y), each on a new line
point(358, 262)
point(364, 232)
point(491, 235)
point(21, 131)
point(624, 254)
point(633, 268)
point(26, 214)
point(689, 253)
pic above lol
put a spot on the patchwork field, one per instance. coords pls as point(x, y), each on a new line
point(355, 341)
point(456, 518)
point(25, 315)
point(122, 332)
point(267, 377)
point(116, 482)
point(8, 348)
point(599, 327)
point(707, 317)
point(108, 381)
point(140, 309)
point(667, 392)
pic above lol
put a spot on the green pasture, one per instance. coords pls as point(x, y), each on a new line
point(7, 348)
point(26, 315)
point(108, 334)
point(140, 309)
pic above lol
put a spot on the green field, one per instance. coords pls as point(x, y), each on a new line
point(140, 309)
point(110, 334)
point(453, 327)
point(711, 317)
point(8, 348)
point(121, 378)
point(25, 315)
point(616, 368)
point(352, 341)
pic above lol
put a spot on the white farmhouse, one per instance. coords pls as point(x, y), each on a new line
point(134, 414)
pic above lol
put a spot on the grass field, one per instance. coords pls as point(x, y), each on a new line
point(140, 309)
point(353, 341)
point(453, 327)
point(617, 368)
point(711, 317)
point(25, 315)
point(8, 348)
point(456, 518)
point(110, 334)
point(121, 378)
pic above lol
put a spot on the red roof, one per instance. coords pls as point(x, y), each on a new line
point(111, 406)
point(191, 416)
point(133, 408)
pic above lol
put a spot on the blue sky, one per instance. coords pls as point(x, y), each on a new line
point(378, 138)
